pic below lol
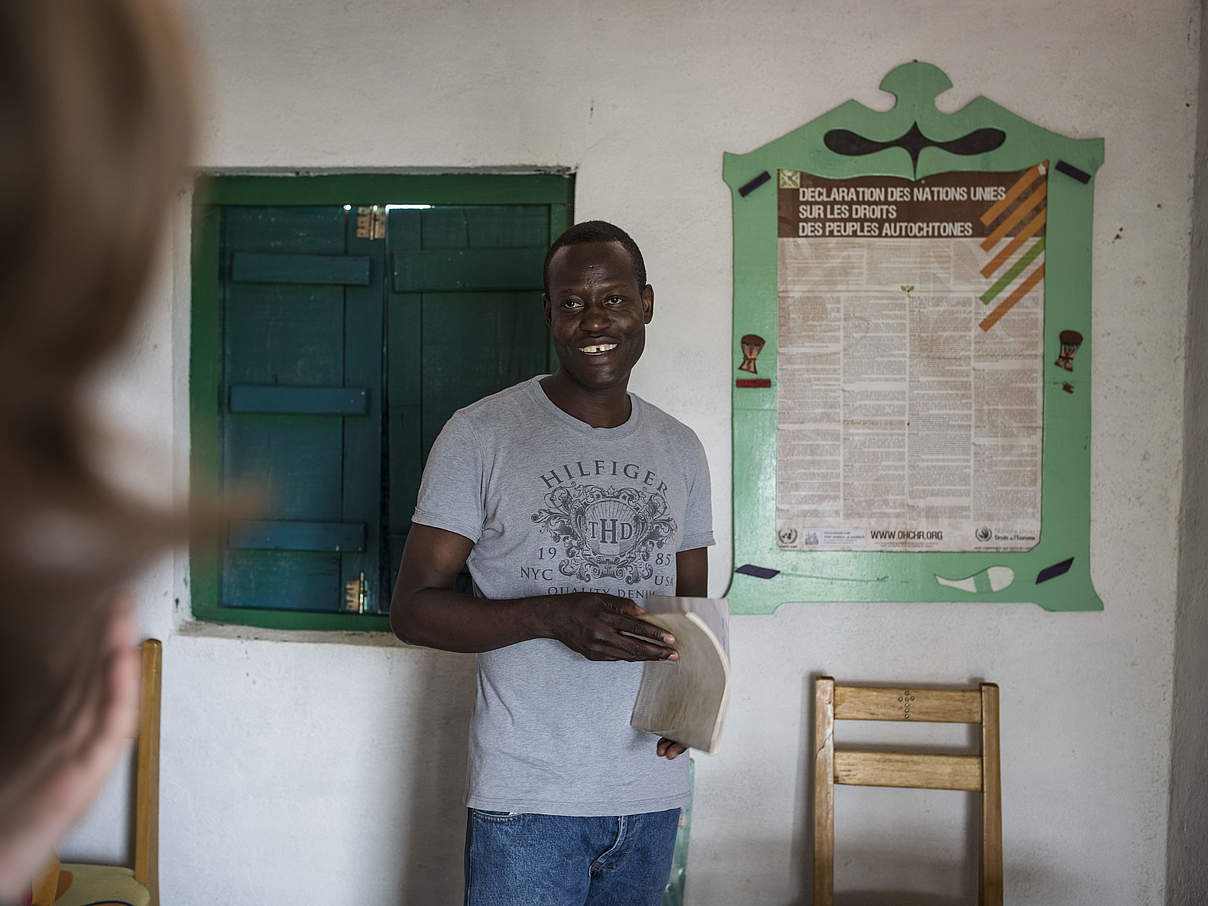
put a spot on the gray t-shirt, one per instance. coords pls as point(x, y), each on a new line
point(555, 506)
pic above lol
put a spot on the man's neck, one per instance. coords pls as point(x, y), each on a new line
point(608, 408)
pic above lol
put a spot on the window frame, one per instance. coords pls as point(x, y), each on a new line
point(211, 191)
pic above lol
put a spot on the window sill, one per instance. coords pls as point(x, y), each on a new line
point(372, 638)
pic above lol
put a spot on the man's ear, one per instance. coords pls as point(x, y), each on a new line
point(648, 304)
point(545, 306)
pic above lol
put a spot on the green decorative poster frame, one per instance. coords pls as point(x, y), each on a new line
point(1055, 573)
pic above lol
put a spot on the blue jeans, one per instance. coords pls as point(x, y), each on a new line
point(554, 860)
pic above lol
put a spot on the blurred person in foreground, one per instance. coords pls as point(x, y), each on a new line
point(96, 116)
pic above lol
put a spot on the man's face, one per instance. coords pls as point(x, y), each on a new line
point(597, 313)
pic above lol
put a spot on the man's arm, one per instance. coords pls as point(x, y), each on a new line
point(425, 610)
point(692, 573)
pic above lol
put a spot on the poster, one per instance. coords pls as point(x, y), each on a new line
point(910, 325)
point(912, 357)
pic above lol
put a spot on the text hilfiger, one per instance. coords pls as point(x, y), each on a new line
point(571, 471)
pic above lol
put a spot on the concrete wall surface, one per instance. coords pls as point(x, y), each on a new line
point(330, 770)
point(1187, 874)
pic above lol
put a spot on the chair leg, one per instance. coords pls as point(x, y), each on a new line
point(146, 817)
point(991, 893)
point(824, 791)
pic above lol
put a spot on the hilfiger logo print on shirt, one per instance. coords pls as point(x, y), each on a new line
point(607, 531)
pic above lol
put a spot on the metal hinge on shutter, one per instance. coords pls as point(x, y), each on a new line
point(371, 221)
point(355, 595)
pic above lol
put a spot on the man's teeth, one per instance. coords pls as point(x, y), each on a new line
point(602, 347)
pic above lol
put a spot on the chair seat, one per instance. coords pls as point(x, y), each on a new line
point(100, 885)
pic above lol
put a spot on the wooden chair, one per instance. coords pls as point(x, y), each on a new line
point(973, 773)
point(73, 884)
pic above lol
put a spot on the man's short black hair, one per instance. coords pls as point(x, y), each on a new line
point(598, 231)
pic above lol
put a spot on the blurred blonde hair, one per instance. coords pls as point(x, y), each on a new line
point(96, 125)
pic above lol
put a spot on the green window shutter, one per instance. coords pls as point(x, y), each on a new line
point(324, 364)
point(464, 321)
point(343, 270)
point(301, 317)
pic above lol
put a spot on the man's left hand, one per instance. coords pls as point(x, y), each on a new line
point(669, 748)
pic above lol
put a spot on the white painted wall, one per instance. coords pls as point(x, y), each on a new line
point(330, 771)
point(1187, 873)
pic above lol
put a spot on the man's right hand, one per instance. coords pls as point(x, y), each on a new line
point(425, 610)
point(603, 628)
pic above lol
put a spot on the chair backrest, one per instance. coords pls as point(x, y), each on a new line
point(973, 773)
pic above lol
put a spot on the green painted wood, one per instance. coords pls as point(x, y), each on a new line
point(284, 335)
point(449, 349)
point(332, 537)
point(295, 461)
point(252, 267)
point(393, 188)
point(284, 363)
point(300, 400)
point(889, 577)
point(281, 580)
point(475, 344)
point(459, 269)
point(560, 221)
point(205, 461)
point(310, 229)
point(405, 393)
point(404, 388)
point(363, 497)
point(486, 226)
point(405, 229)
point(272, 344)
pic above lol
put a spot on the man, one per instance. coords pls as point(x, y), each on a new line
point(570, 500)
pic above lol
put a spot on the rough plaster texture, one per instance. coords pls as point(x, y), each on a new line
point(1187, 868)
point(305, 771)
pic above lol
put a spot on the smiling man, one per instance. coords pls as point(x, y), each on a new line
point(570, 500)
